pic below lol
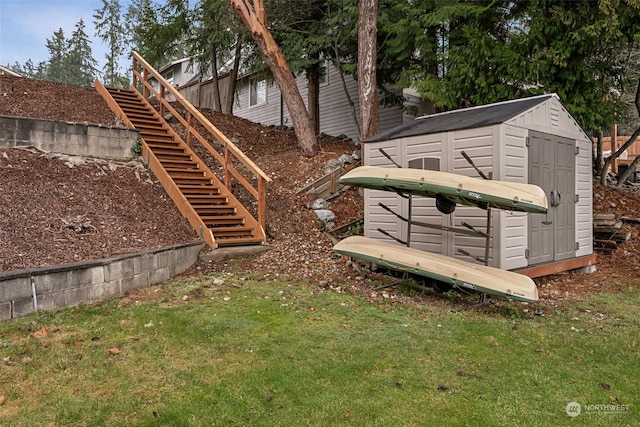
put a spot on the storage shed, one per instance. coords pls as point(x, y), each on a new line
point(532, 140)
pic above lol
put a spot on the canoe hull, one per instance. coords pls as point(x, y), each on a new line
point(458, 273)
point(459, 189)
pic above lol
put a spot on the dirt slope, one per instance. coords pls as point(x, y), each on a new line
point(51, 213)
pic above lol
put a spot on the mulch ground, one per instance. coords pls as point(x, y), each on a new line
point(53, 213)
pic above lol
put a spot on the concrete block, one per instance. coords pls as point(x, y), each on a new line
point(167, 258)
point(159, 275)
point(15, 288)
point(51, 301)
point(7, 131)
point(6, 310)
point(86, 276)
point(52, 282)
point(145, 262)
point(22, 137)
point(119, 269)
point(102, 291)
point(23, 307)
point(76, 296)
point(136, 282)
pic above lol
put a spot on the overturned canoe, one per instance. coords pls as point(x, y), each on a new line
point(458, 273)
point(450, 187)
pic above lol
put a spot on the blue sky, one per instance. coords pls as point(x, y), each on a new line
point(25, 26)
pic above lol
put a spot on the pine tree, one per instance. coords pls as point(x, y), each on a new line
point(58, 51)
point(80, 63)
point(110, 29)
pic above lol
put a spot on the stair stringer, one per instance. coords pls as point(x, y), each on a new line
point(184, 206)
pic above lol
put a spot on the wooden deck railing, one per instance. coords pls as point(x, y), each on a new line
point(231, 155)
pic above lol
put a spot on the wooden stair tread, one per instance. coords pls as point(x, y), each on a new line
point(213, 206)
point(232, 231)
point(206, 211)
point(223, 221)
point(238, 241)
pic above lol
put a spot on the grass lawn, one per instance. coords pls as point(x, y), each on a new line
point(264, 353)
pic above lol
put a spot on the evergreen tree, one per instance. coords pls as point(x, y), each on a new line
point(58, 51)
point(158, 33)
point(216, 39)
point(139, 18)
point(80, 63)
point(29, 70)
point(112, 31)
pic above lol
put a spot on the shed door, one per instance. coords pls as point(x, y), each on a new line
point(552, 167)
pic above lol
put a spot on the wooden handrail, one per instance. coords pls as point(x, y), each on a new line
point(231, 151)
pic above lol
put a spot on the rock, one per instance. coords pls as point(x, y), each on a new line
point(345, 159)
point(218, 282)
point(326, 216)
point(332, 165)
point(319, 204)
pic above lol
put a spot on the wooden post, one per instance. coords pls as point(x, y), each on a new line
point(189, 129)
point(162, 96)
point(262, 203)
point(145, 90)
point(227, 167)
point(134, 68)
point(614, 146)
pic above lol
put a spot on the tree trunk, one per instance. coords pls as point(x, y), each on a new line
point(367, 84)
point(623, 176)
point(598, 160)
point(619, 151)
point(215, 88)
point(313, 97)
point(255, 20)
point(233, 78)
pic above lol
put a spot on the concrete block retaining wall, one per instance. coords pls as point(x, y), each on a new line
point(79, 139)
point(23, 292)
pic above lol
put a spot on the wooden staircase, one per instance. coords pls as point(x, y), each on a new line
point(210, 207)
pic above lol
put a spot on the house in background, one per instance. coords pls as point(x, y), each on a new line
point(258, 98)
point(531, 140)
point(177, 73)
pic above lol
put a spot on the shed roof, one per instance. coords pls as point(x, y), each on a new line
point(466, 118)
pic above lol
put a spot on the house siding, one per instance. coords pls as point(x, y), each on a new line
point(512, 235)
point(478, 145)
point(375, 216)
point(336, 113)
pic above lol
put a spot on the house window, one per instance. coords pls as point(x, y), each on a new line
point(169, 76)
point(258, 91)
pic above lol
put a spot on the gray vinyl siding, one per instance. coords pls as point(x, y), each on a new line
point(584, 209)
point(424, 209)
point(267, 113)
point(376, 217)
point(336, 113)
point(478, 145)
point(512, 235)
